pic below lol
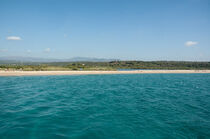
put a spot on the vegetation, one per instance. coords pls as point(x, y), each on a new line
point(113, 65)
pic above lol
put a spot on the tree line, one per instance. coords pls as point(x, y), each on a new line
point(113, 65)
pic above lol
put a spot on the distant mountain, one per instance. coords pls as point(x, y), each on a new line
point(16, 59)
point(19, 59)
point(88, 59)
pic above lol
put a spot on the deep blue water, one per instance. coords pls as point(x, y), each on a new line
point(147, 106)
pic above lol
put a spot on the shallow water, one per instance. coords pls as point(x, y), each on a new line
point(106, 106)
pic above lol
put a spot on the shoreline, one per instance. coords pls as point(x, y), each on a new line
point(40, 73)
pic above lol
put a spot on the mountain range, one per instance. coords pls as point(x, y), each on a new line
point(18, 59)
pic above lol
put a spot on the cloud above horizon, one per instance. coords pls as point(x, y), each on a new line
point(3, 50)
point(28, 51)
point(190, 43)
point(14, 38)
point(47, 50)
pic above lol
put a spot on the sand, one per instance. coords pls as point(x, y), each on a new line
point(38, 73)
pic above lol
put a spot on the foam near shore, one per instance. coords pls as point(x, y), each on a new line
point(38, 73)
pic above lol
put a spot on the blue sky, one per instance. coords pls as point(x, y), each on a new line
point(124, 29)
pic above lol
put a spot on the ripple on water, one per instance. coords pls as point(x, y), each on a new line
point(105, 106)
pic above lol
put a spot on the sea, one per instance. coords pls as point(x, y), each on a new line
point(134, 106)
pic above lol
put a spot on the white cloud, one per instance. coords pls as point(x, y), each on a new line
point(14, 38)
point(28, 51)
point(47, 50)
point(3, 50)
point(190, 43)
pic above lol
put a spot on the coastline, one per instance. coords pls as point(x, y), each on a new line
point(40, 73)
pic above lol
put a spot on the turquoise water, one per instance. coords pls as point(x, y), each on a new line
point(147, 106)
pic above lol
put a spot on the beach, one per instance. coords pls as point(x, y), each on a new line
point(39, 73)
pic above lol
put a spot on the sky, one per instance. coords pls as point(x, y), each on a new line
point(121, 29)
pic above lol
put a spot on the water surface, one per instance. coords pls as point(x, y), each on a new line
point(147, 106)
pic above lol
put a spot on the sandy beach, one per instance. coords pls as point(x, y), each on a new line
point(38, 73)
